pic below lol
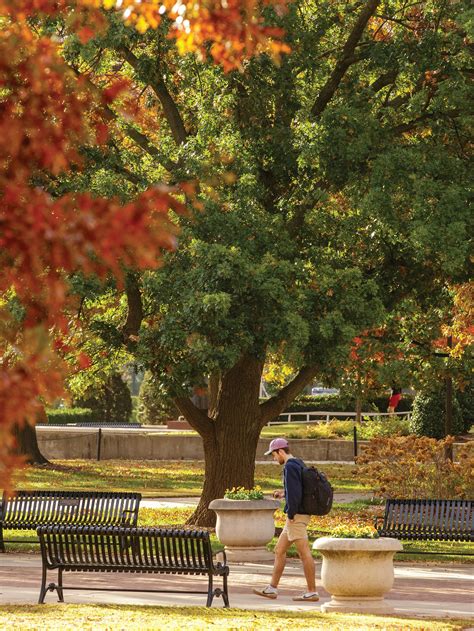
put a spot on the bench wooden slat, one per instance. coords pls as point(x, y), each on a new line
point(440, 510)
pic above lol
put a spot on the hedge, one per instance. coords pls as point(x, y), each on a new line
point(338, 403)
point(62, 416)
point(429, 415)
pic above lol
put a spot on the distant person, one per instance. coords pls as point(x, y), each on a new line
point(295, 530)
point(394, 400)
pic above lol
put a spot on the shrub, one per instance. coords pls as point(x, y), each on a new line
point(109, 402)
point(410, 467)
point(389, 426)
point(155, 407)
point(429, 414)
point(61, 416)
point(333, 429)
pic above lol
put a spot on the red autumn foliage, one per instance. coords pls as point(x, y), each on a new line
point(46, 114)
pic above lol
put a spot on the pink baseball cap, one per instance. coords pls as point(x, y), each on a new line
point(277, 443)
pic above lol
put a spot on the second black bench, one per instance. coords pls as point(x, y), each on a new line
point(26, 510)
point(428, 520)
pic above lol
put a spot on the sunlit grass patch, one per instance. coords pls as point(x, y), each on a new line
point(143, 617)
point(158, 478)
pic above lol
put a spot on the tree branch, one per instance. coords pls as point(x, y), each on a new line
point(386, 79)
point(138, 137)
point(276, 405)
point(408, 126)
point(156, 82)
point(347, 59)
point(134, 319)
point(143, 142)
point(127, 174)
point(213, 393)
point(195, 417)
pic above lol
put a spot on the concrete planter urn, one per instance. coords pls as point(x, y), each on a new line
point(245, 527)
point(357, 573)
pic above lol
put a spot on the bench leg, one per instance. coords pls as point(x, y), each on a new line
point(43, 589)
point(51, 587)
point(59, 588)
point(2, 543)
point(225, 593)
point(210, 592)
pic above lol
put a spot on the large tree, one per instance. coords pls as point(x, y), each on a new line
point(332, 193)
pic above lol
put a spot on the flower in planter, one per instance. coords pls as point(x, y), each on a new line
point(241, 493)
point(354, 532)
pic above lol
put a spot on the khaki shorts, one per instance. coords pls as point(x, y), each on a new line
point(297, 528)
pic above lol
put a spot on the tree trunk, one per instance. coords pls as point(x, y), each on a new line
point(229, 462)
point(27, 444)
point(230, 433)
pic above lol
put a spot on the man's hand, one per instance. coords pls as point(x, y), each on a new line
point(278, 495)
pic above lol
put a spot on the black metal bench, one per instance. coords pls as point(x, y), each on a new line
point(428, 520)
point(26, 510)
point(113, 549)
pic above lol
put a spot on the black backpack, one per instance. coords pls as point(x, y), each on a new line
point(318, 493)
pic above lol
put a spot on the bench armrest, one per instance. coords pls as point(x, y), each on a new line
point(221, 559)
point(377, 520)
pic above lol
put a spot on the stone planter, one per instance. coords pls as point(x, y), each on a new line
point(245, 527)
point(357, 573)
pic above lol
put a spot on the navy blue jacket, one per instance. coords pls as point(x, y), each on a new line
point(293, 486)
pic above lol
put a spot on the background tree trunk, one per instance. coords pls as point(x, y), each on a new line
point(448, 424)
point(27, 444)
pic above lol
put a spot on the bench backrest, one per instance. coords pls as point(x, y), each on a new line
point(169, 550)
point(25, 509)
point(431, 516)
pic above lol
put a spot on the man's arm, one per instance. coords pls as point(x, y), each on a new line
point(294, 489)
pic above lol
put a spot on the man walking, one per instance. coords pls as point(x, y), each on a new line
point(295, 530)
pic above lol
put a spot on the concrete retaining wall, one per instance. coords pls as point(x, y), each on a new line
point(153, 444)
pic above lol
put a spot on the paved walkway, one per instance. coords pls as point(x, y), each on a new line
point(419, 590)
point(172, 502)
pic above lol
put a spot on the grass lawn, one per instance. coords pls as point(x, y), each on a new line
point(360, 512)
point(157, 478)
point(92, 617)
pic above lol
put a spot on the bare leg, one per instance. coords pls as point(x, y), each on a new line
point(306, 557)
point(280, 559)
